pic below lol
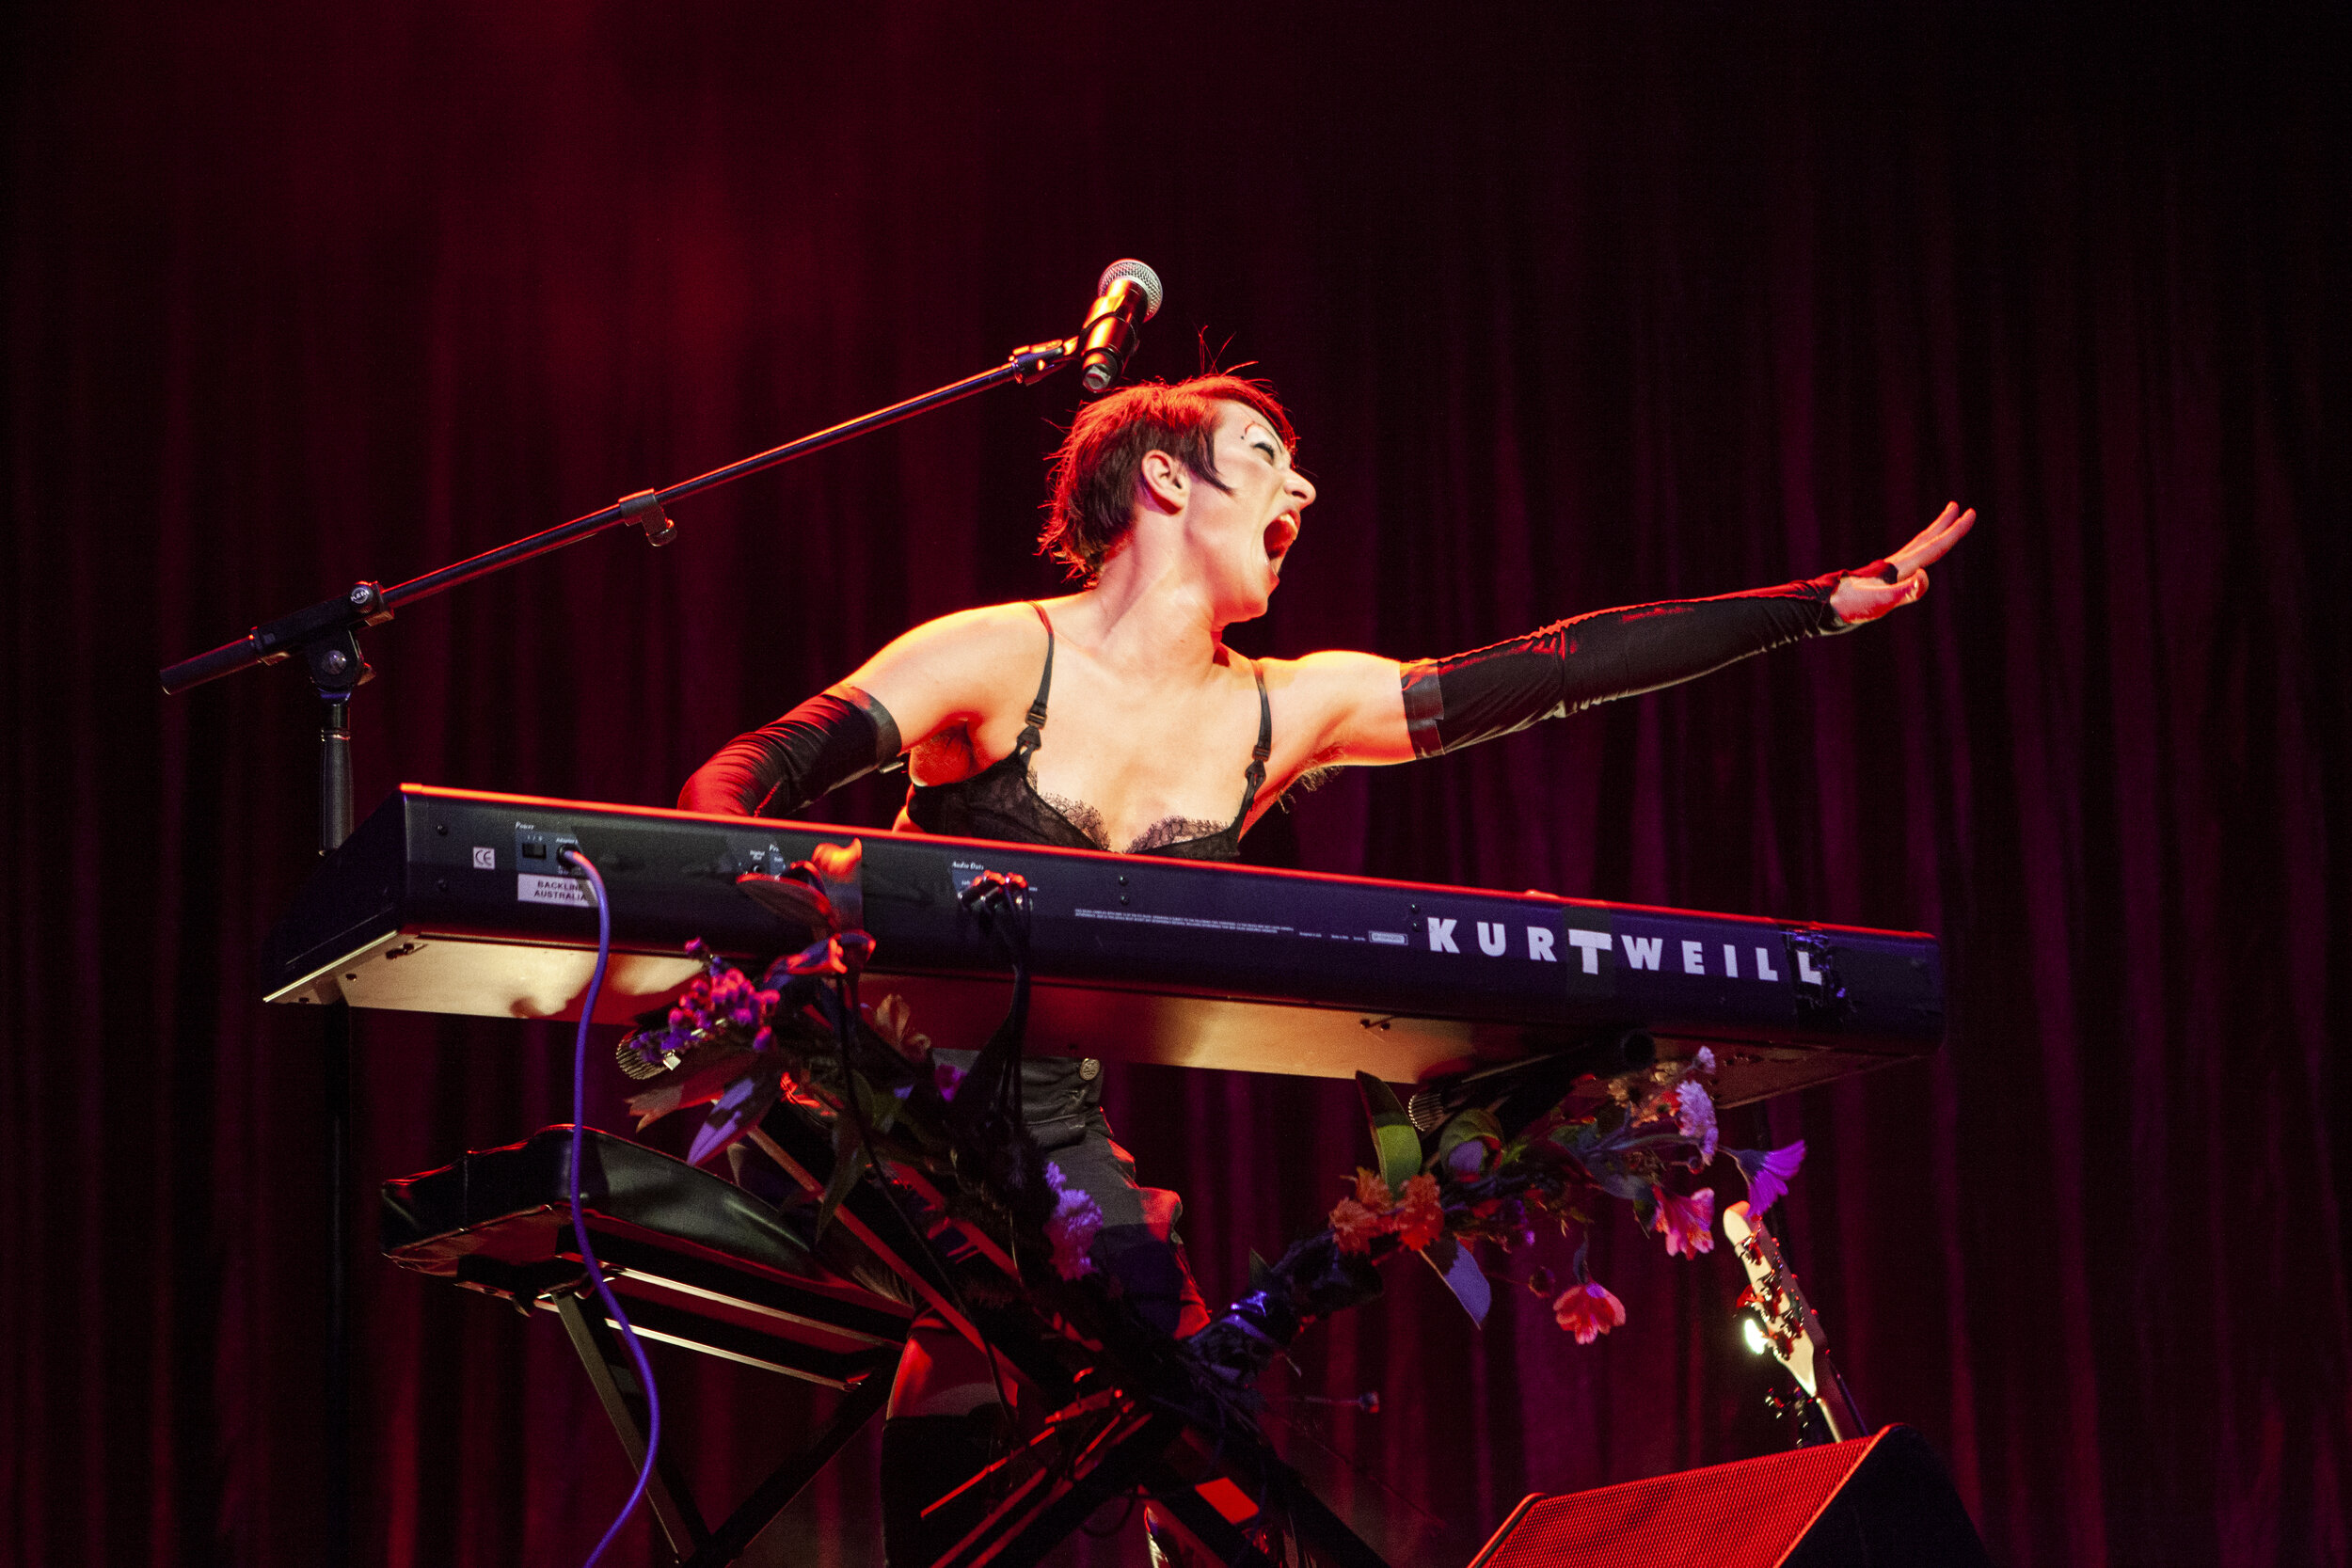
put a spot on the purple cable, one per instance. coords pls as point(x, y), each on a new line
point(580, 1225)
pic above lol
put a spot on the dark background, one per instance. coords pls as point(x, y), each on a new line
point(1575, 305)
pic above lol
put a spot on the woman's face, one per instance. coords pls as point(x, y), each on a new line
point(1246, 530)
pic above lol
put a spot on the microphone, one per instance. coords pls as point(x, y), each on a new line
point(1128, 292)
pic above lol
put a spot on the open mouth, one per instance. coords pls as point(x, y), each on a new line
point(1279, 535)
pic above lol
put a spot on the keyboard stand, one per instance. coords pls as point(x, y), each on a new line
point(704, 1265)
point(699, 1264)
point(668, 1493)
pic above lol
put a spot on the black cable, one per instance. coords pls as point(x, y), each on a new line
point(844, 1031)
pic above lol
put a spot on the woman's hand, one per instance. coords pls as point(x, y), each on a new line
point(1866, 598)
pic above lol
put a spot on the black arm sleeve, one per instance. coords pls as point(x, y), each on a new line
point(834, 737)
point(1570, 665)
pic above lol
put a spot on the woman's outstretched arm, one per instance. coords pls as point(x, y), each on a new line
point(1376, 710)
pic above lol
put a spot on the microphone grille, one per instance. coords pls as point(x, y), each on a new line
point(1143, 275)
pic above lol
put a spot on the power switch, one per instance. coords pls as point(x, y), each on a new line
point(539, 850)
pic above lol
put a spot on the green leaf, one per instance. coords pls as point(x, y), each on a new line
point(879, 1109)
point(1620, 1180)
point(849, 1163)
point(1458, 1267)
point(1475, 1123)
point(1581, 1138)
point(1392, 1135)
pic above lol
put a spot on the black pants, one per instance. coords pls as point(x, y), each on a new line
point(1062, 1098)
point(925, 1457)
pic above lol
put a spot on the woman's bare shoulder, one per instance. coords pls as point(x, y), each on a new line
point(1347, 705)
point(955, 667)
point(1333, 670)
point(981, 631)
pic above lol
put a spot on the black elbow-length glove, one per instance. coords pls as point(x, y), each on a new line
point(1570, 665)
point(838, 735)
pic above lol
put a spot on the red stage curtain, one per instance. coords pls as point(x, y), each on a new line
point(1624, 302)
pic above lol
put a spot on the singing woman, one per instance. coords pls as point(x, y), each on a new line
point(1115, 718)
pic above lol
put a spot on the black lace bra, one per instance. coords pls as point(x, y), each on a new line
point(1001, 801)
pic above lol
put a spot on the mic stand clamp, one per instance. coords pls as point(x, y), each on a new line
point(1036, 362)
point(645, 510)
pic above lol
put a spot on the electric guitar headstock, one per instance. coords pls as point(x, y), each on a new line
point(1789, 1327)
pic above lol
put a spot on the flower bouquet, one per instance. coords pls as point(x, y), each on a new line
point(955, 1147)
point(1471, 1183)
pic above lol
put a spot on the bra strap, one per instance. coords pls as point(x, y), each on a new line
point(1031, 735)
point(1262, 751)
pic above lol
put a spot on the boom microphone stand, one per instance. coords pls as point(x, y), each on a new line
point(325, 636)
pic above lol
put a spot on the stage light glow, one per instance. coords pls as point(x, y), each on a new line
point(1753, 1332)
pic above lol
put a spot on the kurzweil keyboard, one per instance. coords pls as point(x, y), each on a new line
point(454, 902)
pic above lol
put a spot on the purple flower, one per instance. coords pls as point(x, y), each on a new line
point(1466, 1160)
point(1694, 1114)
point(947, 1076)
point(1767, 1173)
point(1077, 1219)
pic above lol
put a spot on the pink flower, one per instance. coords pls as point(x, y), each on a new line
point(817, 957)
point(1694, 1114)
point(1588, 1312)
point(1768, 1174)
point(1077, 1219)
point(1355, 1228)
point(1419, 1218)
point(1687, 1223)
point(893, 1021)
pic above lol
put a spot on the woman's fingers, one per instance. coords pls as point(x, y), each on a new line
point(1950, 527)
point(1859, 599)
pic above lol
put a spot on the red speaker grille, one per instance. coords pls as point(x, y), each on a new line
point(1743, 1515)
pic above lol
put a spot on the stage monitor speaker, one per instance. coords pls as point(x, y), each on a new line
point(1875, 1502)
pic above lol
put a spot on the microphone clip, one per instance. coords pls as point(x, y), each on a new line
point(1035, 362)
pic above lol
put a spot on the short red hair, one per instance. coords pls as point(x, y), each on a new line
point(1096, 469)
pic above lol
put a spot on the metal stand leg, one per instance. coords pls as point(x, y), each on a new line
point(859, 1404)
point(1139, 1461)
point(1204, 1523)
point(335, 1068)
point(669, 1493)
point(1121, 1468)
point(336, 1033)
point(610, 1370)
